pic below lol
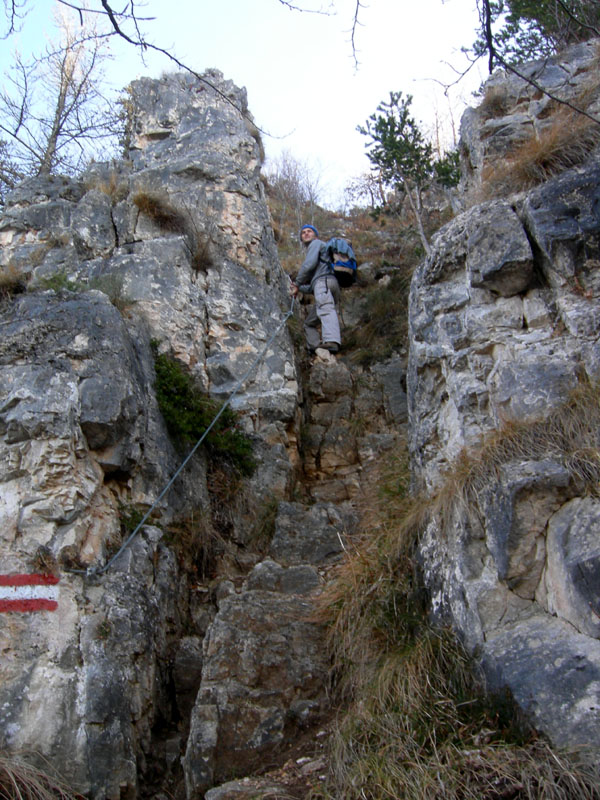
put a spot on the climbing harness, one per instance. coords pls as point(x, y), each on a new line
point(92, 571)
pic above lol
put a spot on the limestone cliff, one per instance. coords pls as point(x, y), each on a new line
point(193, 648)
point(505, 337)
point(82, 439)
point(192, 657)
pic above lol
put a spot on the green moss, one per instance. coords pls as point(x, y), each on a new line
point(188, 412)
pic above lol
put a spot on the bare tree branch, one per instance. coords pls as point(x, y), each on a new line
point(14, 11)
point(294, 7)
point(576, 20)
point(355, 24)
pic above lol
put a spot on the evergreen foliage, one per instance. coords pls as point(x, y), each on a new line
point(398, 148)
point(403, 158)
point(188, 413)
point(530, 29)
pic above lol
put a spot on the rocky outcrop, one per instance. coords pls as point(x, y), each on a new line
point(174, 246)
point(517, 110)
point(504, 328)
point(190, 656)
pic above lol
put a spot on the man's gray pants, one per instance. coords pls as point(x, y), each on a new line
point(327, 296)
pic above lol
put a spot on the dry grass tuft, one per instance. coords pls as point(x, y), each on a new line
point(418, 724)
point(569, 434)
point(12, 281)
point(21, 781)
point(566, 142)
point(495, 102)
point(113, 186)
point(173, 219)
point(197, 542)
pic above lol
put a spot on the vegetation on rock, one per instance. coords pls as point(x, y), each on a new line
point(531, 29)
point(417, 722)
point(188, 413)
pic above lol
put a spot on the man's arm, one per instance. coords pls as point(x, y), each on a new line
point(310, 263)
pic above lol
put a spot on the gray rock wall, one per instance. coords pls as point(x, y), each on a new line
point(504, 326)
point(82, 440)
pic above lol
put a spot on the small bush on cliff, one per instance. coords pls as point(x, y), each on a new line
point(188, 413)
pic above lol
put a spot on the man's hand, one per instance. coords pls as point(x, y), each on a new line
point(294, 290)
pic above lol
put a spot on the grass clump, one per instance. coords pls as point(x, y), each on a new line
point(60, 282)
point(197, 542)
point(417, 722)
point(569, 434)
point(12, 281)
point(113, 185)
point(188, 412)
point(113, 287)
point(22, 781)
point(173, 219)
point(495, 102)
point(566, 142)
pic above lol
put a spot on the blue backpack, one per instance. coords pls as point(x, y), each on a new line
point(343, 261)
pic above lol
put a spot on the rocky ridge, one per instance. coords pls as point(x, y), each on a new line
point(504, 328)
point(156, 668)
point(153, 673)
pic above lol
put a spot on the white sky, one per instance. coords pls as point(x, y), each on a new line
point(298, 68)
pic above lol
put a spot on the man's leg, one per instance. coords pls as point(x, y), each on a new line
point(325, 289)
point(311, 321)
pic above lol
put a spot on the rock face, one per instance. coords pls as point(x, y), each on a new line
point(174, 246)
point(504, 327)
point(190, 656)
point(513, 112)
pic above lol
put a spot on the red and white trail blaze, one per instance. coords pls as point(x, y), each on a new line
point(33, 592)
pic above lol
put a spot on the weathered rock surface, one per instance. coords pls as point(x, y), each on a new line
point(265, 665)
point(504, 324)
point(82, 441)
point(514, 111)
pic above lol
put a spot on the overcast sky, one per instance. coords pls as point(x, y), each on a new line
point(298, 68)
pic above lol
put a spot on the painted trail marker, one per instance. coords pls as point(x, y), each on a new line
point(33, 592)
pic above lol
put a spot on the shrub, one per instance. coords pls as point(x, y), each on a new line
point(188, 413)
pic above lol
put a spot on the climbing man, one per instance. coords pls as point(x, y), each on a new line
point(316, 277)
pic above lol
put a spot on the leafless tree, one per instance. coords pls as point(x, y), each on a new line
point(128, 24)
point(295, 190)
point(368, 187)
point(52, 112)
